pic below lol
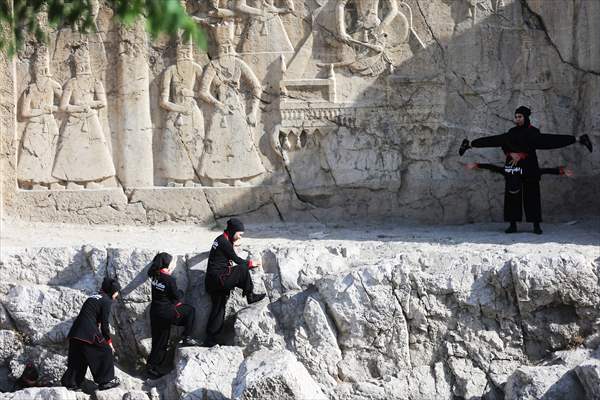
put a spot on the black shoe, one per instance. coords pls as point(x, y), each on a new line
point(512, 228)
point(74, 388)
point(537, 229)
point(253, 297)
point(110, 384)
point(189, 342)
point(585, 140)
point(464, 146)
point(153, 373)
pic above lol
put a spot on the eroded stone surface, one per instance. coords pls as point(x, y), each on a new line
point(390, 316)
point(315, 110)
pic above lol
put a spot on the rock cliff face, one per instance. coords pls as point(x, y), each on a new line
point(387, 319)
point(326, 109)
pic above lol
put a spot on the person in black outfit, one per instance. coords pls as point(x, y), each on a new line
point(166, 309)
point(514, 192)
point(90, 343)
point(519, 145)
point(524, 137)
point(222, 276)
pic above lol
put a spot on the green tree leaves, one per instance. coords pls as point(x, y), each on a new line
point(20, 18)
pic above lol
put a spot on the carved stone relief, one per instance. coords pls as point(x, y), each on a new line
point(230, 155)
point(214, 114)
point(40, 138)
point(83, 156)
point(183, 137)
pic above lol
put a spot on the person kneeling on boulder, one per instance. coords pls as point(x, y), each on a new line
point(222, 276)
point(90, 343)
point(166, 309)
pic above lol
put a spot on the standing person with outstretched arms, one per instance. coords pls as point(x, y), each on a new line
point(166, 309)
point(226, 271)
point(90, 343)
point(519, 145)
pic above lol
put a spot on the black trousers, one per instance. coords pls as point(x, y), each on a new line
point(219, 289)
point(160, 326)
point(542, 142)
point(97, 356)
point(528, 198)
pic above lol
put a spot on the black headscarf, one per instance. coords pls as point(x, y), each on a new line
point(526, 112)
point(234, 225)
point(160, 261)
point(110, 286)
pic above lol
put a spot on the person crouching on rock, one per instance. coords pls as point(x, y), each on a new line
point(166, 309)
point(90, 343)
point(222, 276)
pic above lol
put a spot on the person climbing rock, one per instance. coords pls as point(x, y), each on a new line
point(519, 193)
point(166, 309)
point(524, 137)
point(90, 343)
point(226, 271)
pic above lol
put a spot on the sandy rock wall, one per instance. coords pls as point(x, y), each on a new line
point(305, 110)
point(342, 320)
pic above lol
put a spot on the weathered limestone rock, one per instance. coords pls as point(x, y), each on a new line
point(370, 321)
point(44, 393)
point(256, 328)
point(119, 393)
point(469, 381)
point(10, 344)
point(44, 313)
point(548, 382)
point(207, 373)
point(110, 394)
point(588, 373)
point(431, 318)
point(47, 266)
point(51, 365)
point(274, 374)
point(135, 395)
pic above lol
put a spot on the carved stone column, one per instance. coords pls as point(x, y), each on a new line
point(134, 154)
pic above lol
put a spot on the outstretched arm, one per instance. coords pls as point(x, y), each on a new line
point(490, 167)
point(556, 171)
point(490, 141)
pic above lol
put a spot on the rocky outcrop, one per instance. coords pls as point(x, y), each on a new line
point(273, 375)
point(359, 320)
point(207, 373)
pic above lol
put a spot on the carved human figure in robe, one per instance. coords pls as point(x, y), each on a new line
point(40, 137)
point(368, 38)
point(230, 154)
point(264, 40)
point(83, 156)
point(183, 135)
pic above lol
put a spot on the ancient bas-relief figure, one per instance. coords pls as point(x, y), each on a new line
point(264, 39)
point(230, 155)
point(370, 36)
point(40, 137)
point(83, 156)
point(184, 127)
